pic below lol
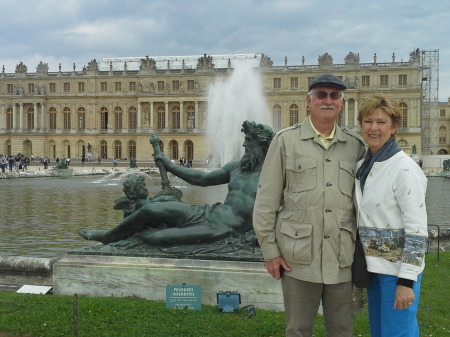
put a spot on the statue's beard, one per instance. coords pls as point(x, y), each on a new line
point(250, 159)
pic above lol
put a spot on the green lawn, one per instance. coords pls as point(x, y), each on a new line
point(53, 316)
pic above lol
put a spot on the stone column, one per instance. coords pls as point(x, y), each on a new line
point(20, 116)
point(346, 112)
point(166, 116)
point(139, 118)
point(152, 118)
point(196, 121)
point(43, 119)
point(14, 116)
point(181, 116)
point(35, 109)
point(356, 114)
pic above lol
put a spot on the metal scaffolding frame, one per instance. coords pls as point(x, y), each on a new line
point(430, 100)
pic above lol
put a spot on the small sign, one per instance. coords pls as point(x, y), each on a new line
point(184, 296)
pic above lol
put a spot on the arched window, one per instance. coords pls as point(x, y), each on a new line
point(276, 117)
point(404, 111)
point(132, 149)
point(161, 113)
point(104, 118)
point(9, 119)
point(189, 150)
point(30, 118)
point(52, 119)
point(173, 149)
point(442, 135)
point(403, 143)
point(67, 118)
point(104, 149)
point(293, 114)
point(81, 122)
point(117, 149)
point(176, 117)
point(66, 149)
point(132, 119)
point(52, 149)
point(191, 117)
point(118, 117)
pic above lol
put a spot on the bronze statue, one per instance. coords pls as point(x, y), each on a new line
point(171, 222)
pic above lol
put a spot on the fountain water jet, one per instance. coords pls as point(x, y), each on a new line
point(230, 102)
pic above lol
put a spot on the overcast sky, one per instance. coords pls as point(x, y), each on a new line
point(77, 31)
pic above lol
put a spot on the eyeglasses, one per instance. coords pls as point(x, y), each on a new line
point(323, 94)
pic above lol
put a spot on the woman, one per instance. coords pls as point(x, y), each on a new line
point(392, 221)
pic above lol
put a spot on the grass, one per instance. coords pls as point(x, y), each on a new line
point(53, 316)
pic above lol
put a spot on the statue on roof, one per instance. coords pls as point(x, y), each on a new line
point(147, 64)
point(93, 65)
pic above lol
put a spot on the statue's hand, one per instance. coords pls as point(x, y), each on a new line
point(162, 158)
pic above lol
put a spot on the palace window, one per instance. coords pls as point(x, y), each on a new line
point(190, 150)
point(384, 80)
point(132, 86)
point(277, 83)
point(103, 86)
point(294, 82)
point(132, 119)
point(52, 87)
point(293, 114)
point(176, 85)
point(30, 119)
point(160, 85)
point(118, 86)
point(161, 115)
point(67, 118)
point(66, 87)
point(191, 117)
point(118, 118)
point(9, 118)
point(365, 80)
point(80, 86)
point(132, 149)
point(30, 87)
point(117, 149)
point(309, 80)
point(173, 149)
point(404, 111)
point(176, 117)
point(104, 118)
point(442, 112)
point(442, 135)
point(52, 119)
point(402, 79)
point(10, 88)
point(276, 117)
point(190, 85)
point(81, 114)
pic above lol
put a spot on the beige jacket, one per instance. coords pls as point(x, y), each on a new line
point(304, 209)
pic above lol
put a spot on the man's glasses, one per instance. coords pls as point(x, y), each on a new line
point(323, 94)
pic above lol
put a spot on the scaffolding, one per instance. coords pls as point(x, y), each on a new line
point(430, 100)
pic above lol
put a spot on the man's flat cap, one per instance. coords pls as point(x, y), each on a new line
point(327, 79)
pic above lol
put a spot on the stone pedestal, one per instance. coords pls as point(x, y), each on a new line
point(147, 277)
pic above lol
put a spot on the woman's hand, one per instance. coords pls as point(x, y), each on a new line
point(404, 297)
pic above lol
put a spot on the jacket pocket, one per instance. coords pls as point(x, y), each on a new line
point(346, 177)
point(301, 174)
point(296, 242)
point(347, 237)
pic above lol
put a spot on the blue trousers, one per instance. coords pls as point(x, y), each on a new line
point(384, 320)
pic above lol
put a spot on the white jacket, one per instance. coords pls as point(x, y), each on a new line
point(392, 217)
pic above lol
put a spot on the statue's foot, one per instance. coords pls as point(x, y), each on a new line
point(94, 234)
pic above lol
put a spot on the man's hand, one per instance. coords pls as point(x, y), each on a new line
point(404, 297)
point(276, 266)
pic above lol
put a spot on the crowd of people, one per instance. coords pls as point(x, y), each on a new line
point(19, 162)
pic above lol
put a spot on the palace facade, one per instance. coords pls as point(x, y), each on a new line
point(111, 107)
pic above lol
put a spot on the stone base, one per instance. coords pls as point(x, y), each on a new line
point(147, 278)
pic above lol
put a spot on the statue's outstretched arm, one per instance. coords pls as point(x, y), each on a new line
point(196, 177)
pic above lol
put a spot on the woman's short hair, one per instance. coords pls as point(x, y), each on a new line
point(383, 102)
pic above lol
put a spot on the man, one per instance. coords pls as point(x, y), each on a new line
point(172, 222)
point(304, 217)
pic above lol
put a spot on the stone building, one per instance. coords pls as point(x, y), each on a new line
point(444, 127)
point(112, 106)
